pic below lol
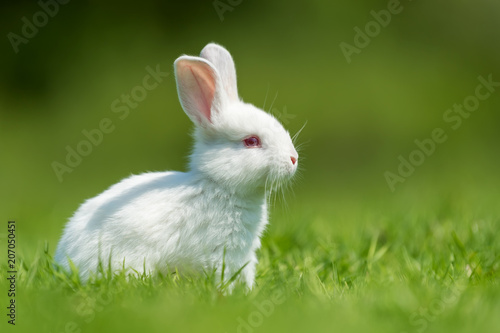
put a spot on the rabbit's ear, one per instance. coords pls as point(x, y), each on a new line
point(199, 89)
point(223, 62)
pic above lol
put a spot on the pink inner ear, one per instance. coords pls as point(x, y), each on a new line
point(203, 88)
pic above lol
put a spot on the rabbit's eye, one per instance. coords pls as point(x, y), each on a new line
point(252, 142)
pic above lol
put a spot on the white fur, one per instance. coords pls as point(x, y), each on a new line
point(173, 220)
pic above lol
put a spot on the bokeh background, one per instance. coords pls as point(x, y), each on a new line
point(360, 115)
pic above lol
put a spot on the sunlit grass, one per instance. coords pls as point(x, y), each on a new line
point(411, 273)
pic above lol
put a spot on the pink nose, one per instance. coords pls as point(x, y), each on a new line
point(294, 160)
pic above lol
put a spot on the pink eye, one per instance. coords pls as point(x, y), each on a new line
point(252, 142)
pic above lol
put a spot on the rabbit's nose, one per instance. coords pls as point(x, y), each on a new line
point(294, 160)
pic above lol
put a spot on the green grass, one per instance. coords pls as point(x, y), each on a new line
point(350, 270)
point(347, 255)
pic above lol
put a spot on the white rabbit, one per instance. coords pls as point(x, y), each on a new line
point(172, 220)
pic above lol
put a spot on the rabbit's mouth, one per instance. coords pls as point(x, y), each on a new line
point(280, 179)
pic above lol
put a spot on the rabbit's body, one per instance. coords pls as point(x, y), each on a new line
point(187, 221)
point(115, 225)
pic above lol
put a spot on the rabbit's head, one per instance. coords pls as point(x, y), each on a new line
point(236, 144)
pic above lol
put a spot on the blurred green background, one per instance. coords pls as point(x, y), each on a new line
point(360, 115)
